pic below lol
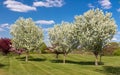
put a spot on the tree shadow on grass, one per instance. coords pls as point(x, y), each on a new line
point(110, 70)
point(114, 70)
point(37, 59)
point(21, 58)
point(76, 62)
point(30, 58)
point(2, 65)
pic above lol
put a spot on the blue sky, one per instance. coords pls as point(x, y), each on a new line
point(46, 13)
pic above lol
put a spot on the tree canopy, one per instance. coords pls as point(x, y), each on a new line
point(26, 35)
point(61, 38)
point(94, 30)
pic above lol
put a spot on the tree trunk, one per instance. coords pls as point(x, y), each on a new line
point(100, 58)
point(40, 52)
point(57, 56)
point(96, 58)
point(26, 57)
point(64, 58)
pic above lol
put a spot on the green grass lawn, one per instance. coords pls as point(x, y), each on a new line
point(45, 64)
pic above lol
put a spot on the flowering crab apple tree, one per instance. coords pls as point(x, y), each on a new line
point(62, 39)
point(94, 30)
point(26, 35)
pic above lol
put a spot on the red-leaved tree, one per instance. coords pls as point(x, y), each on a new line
point(5, 45)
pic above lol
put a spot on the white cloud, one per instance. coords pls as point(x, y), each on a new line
point(116, 37)
point(91, 6)
point(18, 6)
point(106, 4)
point(118, 9)
point(45, 22)
point(1, 29)
point(4, 26)
point(49, 3)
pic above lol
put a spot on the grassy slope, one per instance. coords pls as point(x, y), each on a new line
point(45, 64)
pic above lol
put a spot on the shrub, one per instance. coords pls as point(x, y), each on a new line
point(110, 48)
point(43, 48)
point(5, 45)
point(117, 52)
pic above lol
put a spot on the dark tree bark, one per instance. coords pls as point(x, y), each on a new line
point(100, 58)
point(57, 55)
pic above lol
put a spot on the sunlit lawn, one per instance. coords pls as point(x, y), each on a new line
point(45, 64)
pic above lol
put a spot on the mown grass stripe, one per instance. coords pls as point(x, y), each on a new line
point(22, 67)
point(16, 68)
point(41, 69)
point(51, 68)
